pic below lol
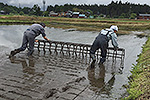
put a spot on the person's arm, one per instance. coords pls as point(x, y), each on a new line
point(36, 40)
point(114, 40)
point(46, 38)
point(44, 35)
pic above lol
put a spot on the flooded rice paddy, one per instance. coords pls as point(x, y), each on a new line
point(62, 77)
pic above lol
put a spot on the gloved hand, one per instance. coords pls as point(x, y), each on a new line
point(115, 48)
point(36, 40)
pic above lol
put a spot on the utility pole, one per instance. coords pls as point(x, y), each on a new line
point(19, 5)
point(44, 5)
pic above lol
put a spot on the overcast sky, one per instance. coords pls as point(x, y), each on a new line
point(30, 3)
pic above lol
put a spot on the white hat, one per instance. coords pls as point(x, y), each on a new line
point(113, 27)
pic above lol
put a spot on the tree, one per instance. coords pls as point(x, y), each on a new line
point(123, 15)
point(45, 13)
point(113, 10)
point(133, 16)
point(57, 8)
point(21, 13)
point(26, 10)
point(7, 10)
point(50, 8)
point(36, 10)
point(14, 12)
point(78, 10)
point(89, 12)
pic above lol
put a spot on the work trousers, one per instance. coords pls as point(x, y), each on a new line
point(101, 42)
point(28, 38)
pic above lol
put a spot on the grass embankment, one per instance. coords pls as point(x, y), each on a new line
point(125, 25)
point(139, 88)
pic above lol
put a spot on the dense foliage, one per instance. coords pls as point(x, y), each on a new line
point(112, 10)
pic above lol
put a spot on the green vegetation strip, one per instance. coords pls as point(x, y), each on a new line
point(140, 79)
point(125, 25)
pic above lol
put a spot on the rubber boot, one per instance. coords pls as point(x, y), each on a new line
point(14, 52)
point(30, 53)
point(102, 60)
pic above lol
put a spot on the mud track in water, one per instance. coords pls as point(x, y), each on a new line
point(53, 77)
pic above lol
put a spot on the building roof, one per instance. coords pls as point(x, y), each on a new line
point(144, 14)
point(2, 11)
point(81, 15)
point(76, 13)
point(53, 13)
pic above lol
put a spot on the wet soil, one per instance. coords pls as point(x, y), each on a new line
point(62, 77)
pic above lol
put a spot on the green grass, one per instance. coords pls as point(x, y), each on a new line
point(125, 25)
point(139, 85)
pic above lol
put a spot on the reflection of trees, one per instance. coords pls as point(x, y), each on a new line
point(98, 84)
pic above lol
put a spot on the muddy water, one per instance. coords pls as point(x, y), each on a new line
point(57, 77)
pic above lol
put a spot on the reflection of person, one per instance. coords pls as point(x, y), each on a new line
point(29, 71)
point(101, 42)
point(97, 82)
point(29, 37)
point(27, 67)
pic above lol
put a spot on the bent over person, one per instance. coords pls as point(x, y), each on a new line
point(101, 42)
point(29, 38)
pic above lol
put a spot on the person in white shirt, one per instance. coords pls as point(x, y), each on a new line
point(101, 42)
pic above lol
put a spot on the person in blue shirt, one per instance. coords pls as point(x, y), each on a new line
point(29, 38)
point(101, 42)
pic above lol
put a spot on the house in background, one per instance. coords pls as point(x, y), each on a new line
point(91, 16)
point(53, 14)
point(62, 14)
point(82, 16)
point(144, 16)
point(75, 14)
point(2, 12)
point(69, 14)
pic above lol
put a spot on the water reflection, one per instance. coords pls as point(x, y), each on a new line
point(33, 71)
point(98, 83)
point(27, 64)
point(31, 77)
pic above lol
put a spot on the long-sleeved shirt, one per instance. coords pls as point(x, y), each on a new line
point(37, 30)
point(111, 36)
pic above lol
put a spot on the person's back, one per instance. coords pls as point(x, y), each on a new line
point(101, 42)
point(37, 30)
point(111, 35)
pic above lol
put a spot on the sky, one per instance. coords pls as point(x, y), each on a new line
point(30, 3)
